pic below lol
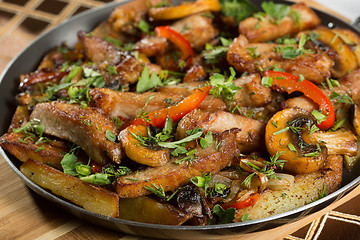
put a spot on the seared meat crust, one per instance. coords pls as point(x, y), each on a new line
point(314, 67)
point(171, 175)
point(268, 30)
point(104, 53)
point(249, 133)
point(85, 127)
point(129, 104)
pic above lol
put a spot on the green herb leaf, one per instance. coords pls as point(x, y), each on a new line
point(184, 140)
point(110, 136)
point(97, 179)
point(83, 170)
point(147, 81)
point(74, 71)
point(318, 116)
point(341, 98)
point(207, 140)
point(223, 216)
point(276, 11)
point(111, 69)
point(239, 9)
point(267, 81)
point(224, 89)
point(157, 190)
point(69, 163)
point(144, 26)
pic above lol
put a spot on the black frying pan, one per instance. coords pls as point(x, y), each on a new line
point(28, 60)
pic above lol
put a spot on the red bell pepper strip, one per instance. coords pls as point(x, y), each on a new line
point(245, 203)
point(285, 82)
point(158, 118)
point(176, 38)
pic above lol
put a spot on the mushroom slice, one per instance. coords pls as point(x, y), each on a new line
point(140, 153)
point(351, 39)
point(345, 60)
point(342, 141)
point(283, 134)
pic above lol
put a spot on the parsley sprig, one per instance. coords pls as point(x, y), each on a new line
point(206, 182)
point(73, 167)
point(222, 88)
point(268, 168)
point(288, 51)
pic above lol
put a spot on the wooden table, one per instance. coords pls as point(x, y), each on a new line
point(25, 215)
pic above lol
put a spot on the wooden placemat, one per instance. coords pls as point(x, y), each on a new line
point(25, 215)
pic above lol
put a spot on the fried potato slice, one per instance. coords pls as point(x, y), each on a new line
point(94, 199)
point(147, 210)
point(306, 189)
point(49, 153)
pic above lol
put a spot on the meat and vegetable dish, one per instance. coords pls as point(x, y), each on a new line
point(208, 112)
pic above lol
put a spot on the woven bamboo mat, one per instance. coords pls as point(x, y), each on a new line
point(24, 215)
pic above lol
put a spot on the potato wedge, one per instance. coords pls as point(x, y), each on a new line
point(49, 153)
point(306, 189)
point(94, 199)
point(147, 210)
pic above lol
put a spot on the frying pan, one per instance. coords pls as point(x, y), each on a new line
point(28, 60)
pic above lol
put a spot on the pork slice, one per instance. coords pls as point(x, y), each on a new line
point(257, 30)
point(172, 175)
point(129, 104)
point(104, 53)
point(197, 29)
point(313, 66)
point(85, 127)
point(249, 134)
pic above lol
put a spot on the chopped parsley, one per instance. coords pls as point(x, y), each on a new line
point(341, 98)
point(276, 12)
point(147, 81)
point(110, 136)
point(290, 52)
point(222, 88)
point(239, 9)
point(221, 216)
point(144, 26)
point(210, 187)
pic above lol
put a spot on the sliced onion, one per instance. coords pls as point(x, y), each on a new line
point(235, 187)
point(284, 181)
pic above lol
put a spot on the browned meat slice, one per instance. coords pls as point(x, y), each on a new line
point(197, 29)
point(195, 73)
point(104, 53)
point(314, 67)
point(151, 46)
point(129, 104)
point(249, 133)
point(172, 175)
point(251, 93)
point(349, 85)
point(85, 127)
point(31, 80)
point(125, 18)
point(264, 30)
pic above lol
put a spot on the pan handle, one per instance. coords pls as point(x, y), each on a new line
point(356, 24)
